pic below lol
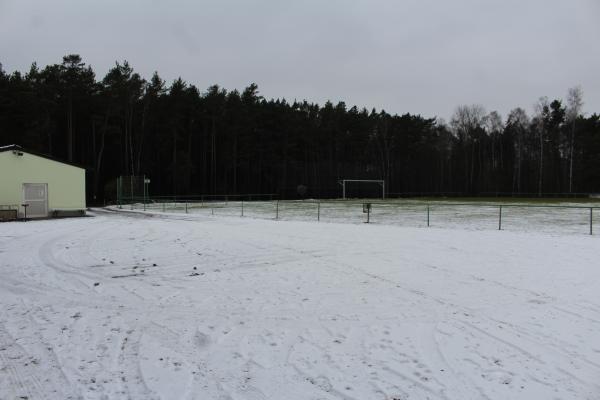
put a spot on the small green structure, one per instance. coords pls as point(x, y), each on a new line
point(38, 185)
point(132, 189)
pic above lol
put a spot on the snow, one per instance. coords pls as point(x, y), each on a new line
point(174, 306)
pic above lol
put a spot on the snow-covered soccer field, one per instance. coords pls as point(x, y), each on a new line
point(550, 216)
point(174, 306)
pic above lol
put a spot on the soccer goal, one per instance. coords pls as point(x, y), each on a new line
point(362, 185)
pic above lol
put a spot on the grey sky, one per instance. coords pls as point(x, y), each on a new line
point(418, 56)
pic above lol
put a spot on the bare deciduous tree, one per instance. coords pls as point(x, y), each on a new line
point(467, 122)
point(518, 122)
point(574, 106)
point(494, 128)
point(541, 113)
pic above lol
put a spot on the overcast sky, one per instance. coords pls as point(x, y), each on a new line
point(418, 56)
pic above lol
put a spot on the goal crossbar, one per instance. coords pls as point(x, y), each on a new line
point(381, 182)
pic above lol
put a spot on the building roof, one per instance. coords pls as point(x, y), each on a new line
point(16, 147)
point(10, 147)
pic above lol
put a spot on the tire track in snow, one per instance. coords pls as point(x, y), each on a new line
point(557, 345)
point(30, 377)
point(131, 375)
point(468, 382)
point(15, 362)
point(48, 256)
point(540, 364)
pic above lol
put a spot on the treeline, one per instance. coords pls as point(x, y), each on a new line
point(229, 142)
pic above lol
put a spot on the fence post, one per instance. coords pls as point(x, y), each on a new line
point(144, 206)
point(318, 211)
point(242, 207)
point(277, 209)
point(500, 218)
point(186, 205)
point(427, 214)
point(120, 192)
point(591, 220)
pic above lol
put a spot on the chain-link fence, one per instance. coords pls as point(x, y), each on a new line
point(557, 218)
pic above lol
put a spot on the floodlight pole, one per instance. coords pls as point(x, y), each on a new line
point(146, 187)
point(500, 218)
point(318, 211)
point(343, 183)
point(120, 191)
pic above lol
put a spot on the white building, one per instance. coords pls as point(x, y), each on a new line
point(47, 186)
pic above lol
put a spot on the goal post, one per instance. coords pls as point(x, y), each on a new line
point(343, 182)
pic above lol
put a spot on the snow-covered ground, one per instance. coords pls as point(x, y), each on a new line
point(174, 306)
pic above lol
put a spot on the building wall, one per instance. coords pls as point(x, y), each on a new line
point(66, 183)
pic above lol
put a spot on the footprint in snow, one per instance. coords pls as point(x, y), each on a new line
point(322, 383)
point(201, 339)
